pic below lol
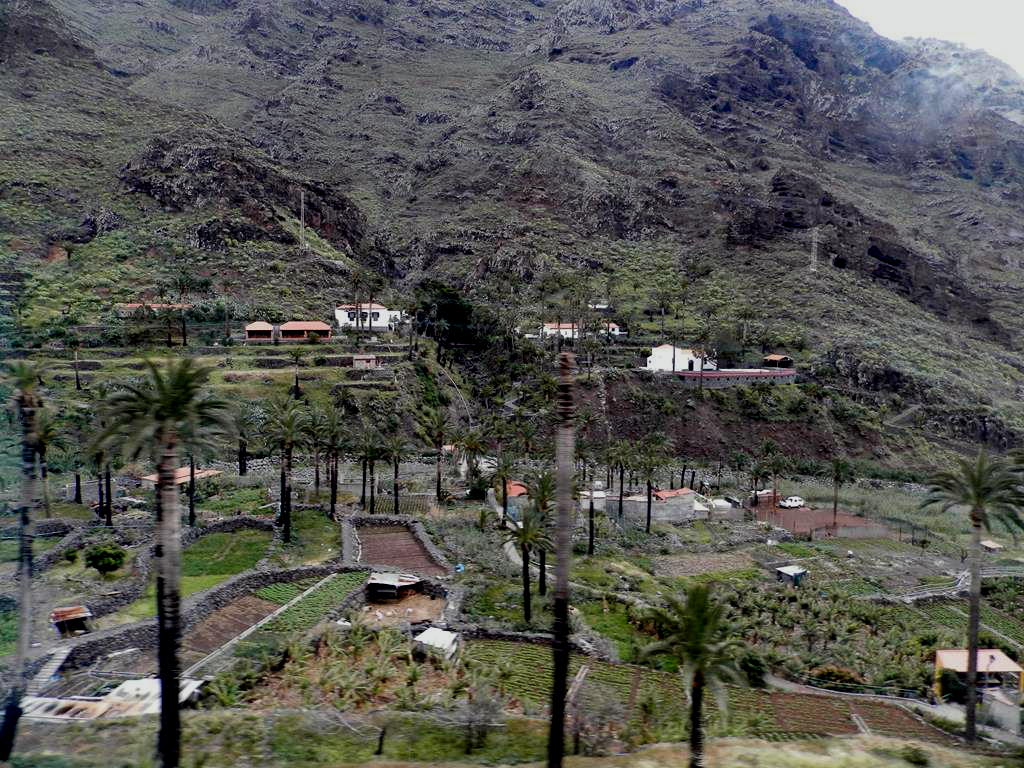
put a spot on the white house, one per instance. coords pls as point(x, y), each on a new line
point(612, 329)
point(367, 316)
point(670, 358)
point(565, 330)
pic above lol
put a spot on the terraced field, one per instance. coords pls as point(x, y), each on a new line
point(775, 715)
point(312, 609)
point(393, 545)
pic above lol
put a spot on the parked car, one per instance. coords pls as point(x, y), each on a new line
point(793, 502)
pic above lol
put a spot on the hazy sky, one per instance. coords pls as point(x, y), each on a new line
point(993, 25)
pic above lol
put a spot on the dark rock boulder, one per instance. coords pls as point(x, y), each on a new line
point(185, 171)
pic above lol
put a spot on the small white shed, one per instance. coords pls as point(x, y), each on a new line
point(434, 641)
point(791, 574)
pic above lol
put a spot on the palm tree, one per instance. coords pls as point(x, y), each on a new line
point(563, 553)
point(152, 420)
point(395, 449)
point(366, 449)
point(530, 533)
point(286, 428)
point(841, 472)
point(502, 474)
point(248, 417)
point(990, 489)
point(648, 466)
point(620, 455)
point(334, 440)
point(693, 632)
point(314, 438)
point(776, 464)
point(24, 378)
point(48, 437)
point(473, 447)
point(296, 355)
point(183, 284)
point(435, 428)
point(542, 487)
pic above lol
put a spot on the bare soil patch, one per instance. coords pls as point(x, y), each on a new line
point(388, 545)
point(409, 609)
point(675, 566)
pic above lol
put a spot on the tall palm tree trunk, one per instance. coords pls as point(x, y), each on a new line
point(649, 494)
point(286, 501)
point(12, 712)
point(243, 457)
point(168, 603)
point(438, 491)
point(316, 473)
point(564, 449)
point(504, 502)
point(622, 478)
point(78, 380)
point(78, 487)
point(44, 477)
point(108, 493)
point(101, 506)
point(191, 491)
point(973, 623)
point(373, 488)
point(590, 527)
point(334, 485)
point(526, 583)
point(395, 482)
point(542, 567)
point(362, 497)
point(697, 719)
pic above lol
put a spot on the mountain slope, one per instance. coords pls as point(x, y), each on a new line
point(512, 148)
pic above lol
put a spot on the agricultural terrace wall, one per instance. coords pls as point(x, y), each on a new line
point(143, 635)
point(414, 526)
point(142, 565)
point(479, 632)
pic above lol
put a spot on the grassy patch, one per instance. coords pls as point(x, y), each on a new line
point(236, 501)
point(9, 548)
point(224, 554)
point(206, 563)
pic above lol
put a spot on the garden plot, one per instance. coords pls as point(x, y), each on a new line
point(223, 625)
point(687, 565)
point(395, 545)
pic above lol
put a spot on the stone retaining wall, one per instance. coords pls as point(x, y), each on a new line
point(143, 635)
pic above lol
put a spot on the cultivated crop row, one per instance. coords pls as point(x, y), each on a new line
point(1003, 623)
point(312, 609)
point(283, 592)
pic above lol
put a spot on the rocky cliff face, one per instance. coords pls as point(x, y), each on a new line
point(521, 139)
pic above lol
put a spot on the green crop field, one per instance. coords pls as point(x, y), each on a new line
point(310, 611)
point(283, 592)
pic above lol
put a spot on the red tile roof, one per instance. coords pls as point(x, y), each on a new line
point(259, 325)
point(662, 495)
point(362, 306)
point(305, 325)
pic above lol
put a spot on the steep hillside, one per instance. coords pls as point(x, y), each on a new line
point(775, 163)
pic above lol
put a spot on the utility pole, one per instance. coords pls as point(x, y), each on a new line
point(814, 250)
point(564, 450)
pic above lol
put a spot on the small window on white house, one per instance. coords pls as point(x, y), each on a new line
point(351, 316)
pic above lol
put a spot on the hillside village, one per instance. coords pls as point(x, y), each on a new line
point(410, 531)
